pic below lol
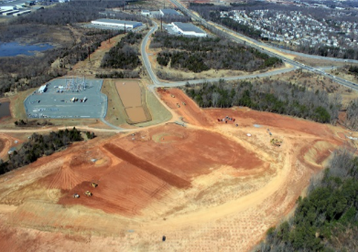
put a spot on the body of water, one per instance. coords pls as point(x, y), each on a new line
point(4, 109)
point(14, 49)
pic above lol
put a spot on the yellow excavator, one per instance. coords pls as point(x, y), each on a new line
point(276, 142)
point(88, 193)
point(94, 185)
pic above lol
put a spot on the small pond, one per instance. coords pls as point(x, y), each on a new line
point(4, 109)
point(14, 49)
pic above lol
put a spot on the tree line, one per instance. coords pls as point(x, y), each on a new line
point(351, 120)
point(201, 54)
point(327, 219)
point(40, 145)
point(125, 54)
point(23, 72)
point(269, 95)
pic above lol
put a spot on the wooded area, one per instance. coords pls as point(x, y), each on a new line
point(269, 95)
point(40, 145)
point(352, 115)
point(125, 54)
point(327, 219)
point(201, 54)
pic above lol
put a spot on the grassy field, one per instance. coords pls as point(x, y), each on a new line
point(17, 104)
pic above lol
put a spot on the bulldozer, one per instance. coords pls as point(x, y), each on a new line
point(276, 142)
point(88, 193)
point(94, 185)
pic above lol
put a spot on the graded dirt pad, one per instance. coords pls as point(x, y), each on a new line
point(191, 153)
point(235, 186)
point(146, 166)
point(137, 114)
point(132, 98)
point(130, 93)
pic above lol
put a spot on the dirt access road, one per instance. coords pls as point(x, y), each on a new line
point(207, 187)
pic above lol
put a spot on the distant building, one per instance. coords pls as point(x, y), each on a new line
point(7, 7)
point(145, 13)
point(121, 24)
point(168, 12)
point(188, 29)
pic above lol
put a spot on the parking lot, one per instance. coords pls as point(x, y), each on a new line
point(68, 98)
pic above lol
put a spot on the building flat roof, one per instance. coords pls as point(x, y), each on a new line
point(169, 12)
point(116, 21)
point(188, 27)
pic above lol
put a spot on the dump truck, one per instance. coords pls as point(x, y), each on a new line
point(76, 195)
point(94, 185)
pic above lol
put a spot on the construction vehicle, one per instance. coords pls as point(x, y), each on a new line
point(184, 103)
point(94, 185)
point(276, 142)
point(178, 105)
point(88, 193)
point(76, 195)
point(172, 96)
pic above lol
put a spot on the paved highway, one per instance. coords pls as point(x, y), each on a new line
point(259, 46)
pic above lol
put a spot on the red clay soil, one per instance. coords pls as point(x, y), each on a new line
point(123, 189)
point(191, 113)
point(197, 152)
point(6, 142)
point(243, 116)
point(246, 117)
point(146, 166)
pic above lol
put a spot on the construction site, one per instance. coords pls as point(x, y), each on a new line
point(207, 180)
point(71, 97)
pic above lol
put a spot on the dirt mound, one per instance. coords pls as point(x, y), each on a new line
point(318, 152)
point(146, 166)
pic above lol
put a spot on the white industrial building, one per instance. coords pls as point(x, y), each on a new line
point(115, 23)
point(42, 89)
point(168, 12)
point(22, 13)
point(145, 13)
point(8, 13)
point(188, 29)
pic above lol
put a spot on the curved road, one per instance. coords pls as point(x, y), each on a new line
point(159, 83)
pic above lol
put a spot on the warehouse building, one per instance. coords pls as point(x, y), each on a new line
point(168, 12)
point(188, 29)
point(115, 23)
